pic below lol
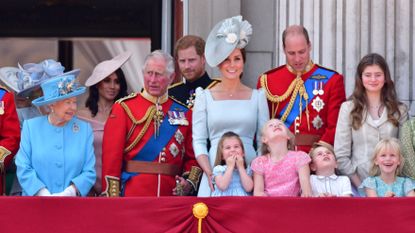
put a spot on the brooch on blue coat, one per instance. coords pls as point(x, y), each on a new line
point(75, 128)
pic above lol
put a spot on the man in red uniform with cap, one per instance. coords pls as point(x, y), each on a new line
point(147, 143)
point(304, 95)
point(9, 134)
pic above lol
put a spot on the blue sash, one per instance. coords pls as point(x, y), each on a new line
point(154, 146)
point(295, 111)
point(2, 93)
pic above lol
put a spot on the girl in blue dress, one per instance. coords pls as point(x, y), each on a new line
point(230, 174)
point(384, 179)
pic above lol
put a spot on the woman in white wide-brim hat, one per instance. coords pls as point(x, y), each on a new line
point(106, 84)
point(56, 155)
point(246, 108)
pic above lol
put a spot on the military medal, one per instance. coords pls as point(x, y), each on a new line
point(179, 137)
point(173, 118)
point(191, 101)
point(174, 150)
point(177, 118)
point(183, 120)
point(318, 104)
point(317, 122)
point(320, 90)
point(315, 90)
point(1, 107)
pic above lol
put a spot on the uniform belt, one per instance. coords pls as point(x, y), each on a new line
point(152, 168)
point(306, 139)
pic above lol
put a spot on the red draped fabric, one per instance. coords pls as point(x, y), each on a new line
point(226, 214)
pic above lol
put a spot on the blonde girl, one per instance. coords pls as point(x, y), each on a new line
point(384, 179)
point(280, 171)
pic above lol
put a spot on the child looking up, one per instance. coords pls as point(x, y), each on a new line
point(325, 182)
point(280, 171)
point(384, 179)
point(230, 176)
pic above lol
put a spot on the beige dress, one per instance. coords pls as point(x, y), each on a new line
point(98, 130)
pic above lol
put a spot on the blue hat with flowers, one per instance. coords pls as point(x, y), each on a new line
point(227, 35)
point(24, 79)
point(59, 88)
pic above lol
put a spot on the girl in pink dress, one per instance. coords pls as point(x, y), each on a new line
point(280, 171)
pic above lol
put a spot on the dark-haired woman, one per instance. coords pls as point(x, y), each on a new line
point(371, 114)
point(106, 84)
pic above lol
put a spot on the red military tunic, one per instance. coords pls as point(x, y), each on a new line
point(176, 151)
point(325, 93)
point(9, 132)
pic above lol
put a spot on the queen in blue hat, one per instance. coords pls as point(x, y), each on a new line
point(56, 155)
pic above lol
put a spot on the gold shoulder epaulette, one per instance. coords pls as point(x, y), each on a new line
point(132, 95)
point(275, 69)
point(177, 101)
point(176, 84)
point(325, 68)
point(212, 84)
point(5, 88)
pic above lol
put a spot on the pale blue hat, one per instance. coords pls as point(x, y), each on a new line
point(28, 77)
point(59, 88)
point(227, 35)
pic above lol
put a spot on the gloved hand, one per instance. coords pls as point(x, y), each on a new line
point(43, 192)
point(70, 191)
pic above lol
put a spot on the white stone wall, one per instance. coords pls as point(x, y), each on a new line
point(341, 32)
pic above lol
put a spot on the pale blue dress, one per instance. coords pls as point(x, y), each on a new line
point(53, 157)
point(400, 187)
point(212, 118)
point(235, 187)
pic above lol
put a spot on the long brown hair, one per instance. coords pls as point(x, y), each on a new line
point(219, 155)
point(388, 93)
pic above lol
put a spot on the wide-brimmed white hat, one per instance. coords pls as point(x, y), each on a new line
point(227, 35)
point(105, 68)
point(59, 88)
point(24, 79)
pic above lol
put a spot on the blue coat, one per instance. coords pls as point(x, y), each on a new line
point(54, 157)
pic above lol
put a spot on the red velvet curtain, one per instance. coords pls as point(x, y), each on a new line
point(226, 214)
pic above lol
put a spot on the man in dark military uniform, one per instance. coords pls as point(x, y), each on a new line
point(304, 95)
point(189, 54)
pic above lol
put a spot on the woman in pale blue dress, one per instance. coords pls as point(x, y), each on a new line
point(229, 105)
point(56, 155)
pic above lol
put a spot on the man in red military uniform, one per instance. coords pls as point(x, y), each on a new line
point(9, 133)
point(304, 95)
point(147, 143)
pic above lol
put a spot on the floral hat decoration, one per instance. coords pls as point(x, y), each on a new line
point(24, 79)
point(227, 35)
point(59, 88)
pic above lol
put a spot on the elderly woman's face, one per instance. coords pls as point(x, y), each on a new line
point(64, 109)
